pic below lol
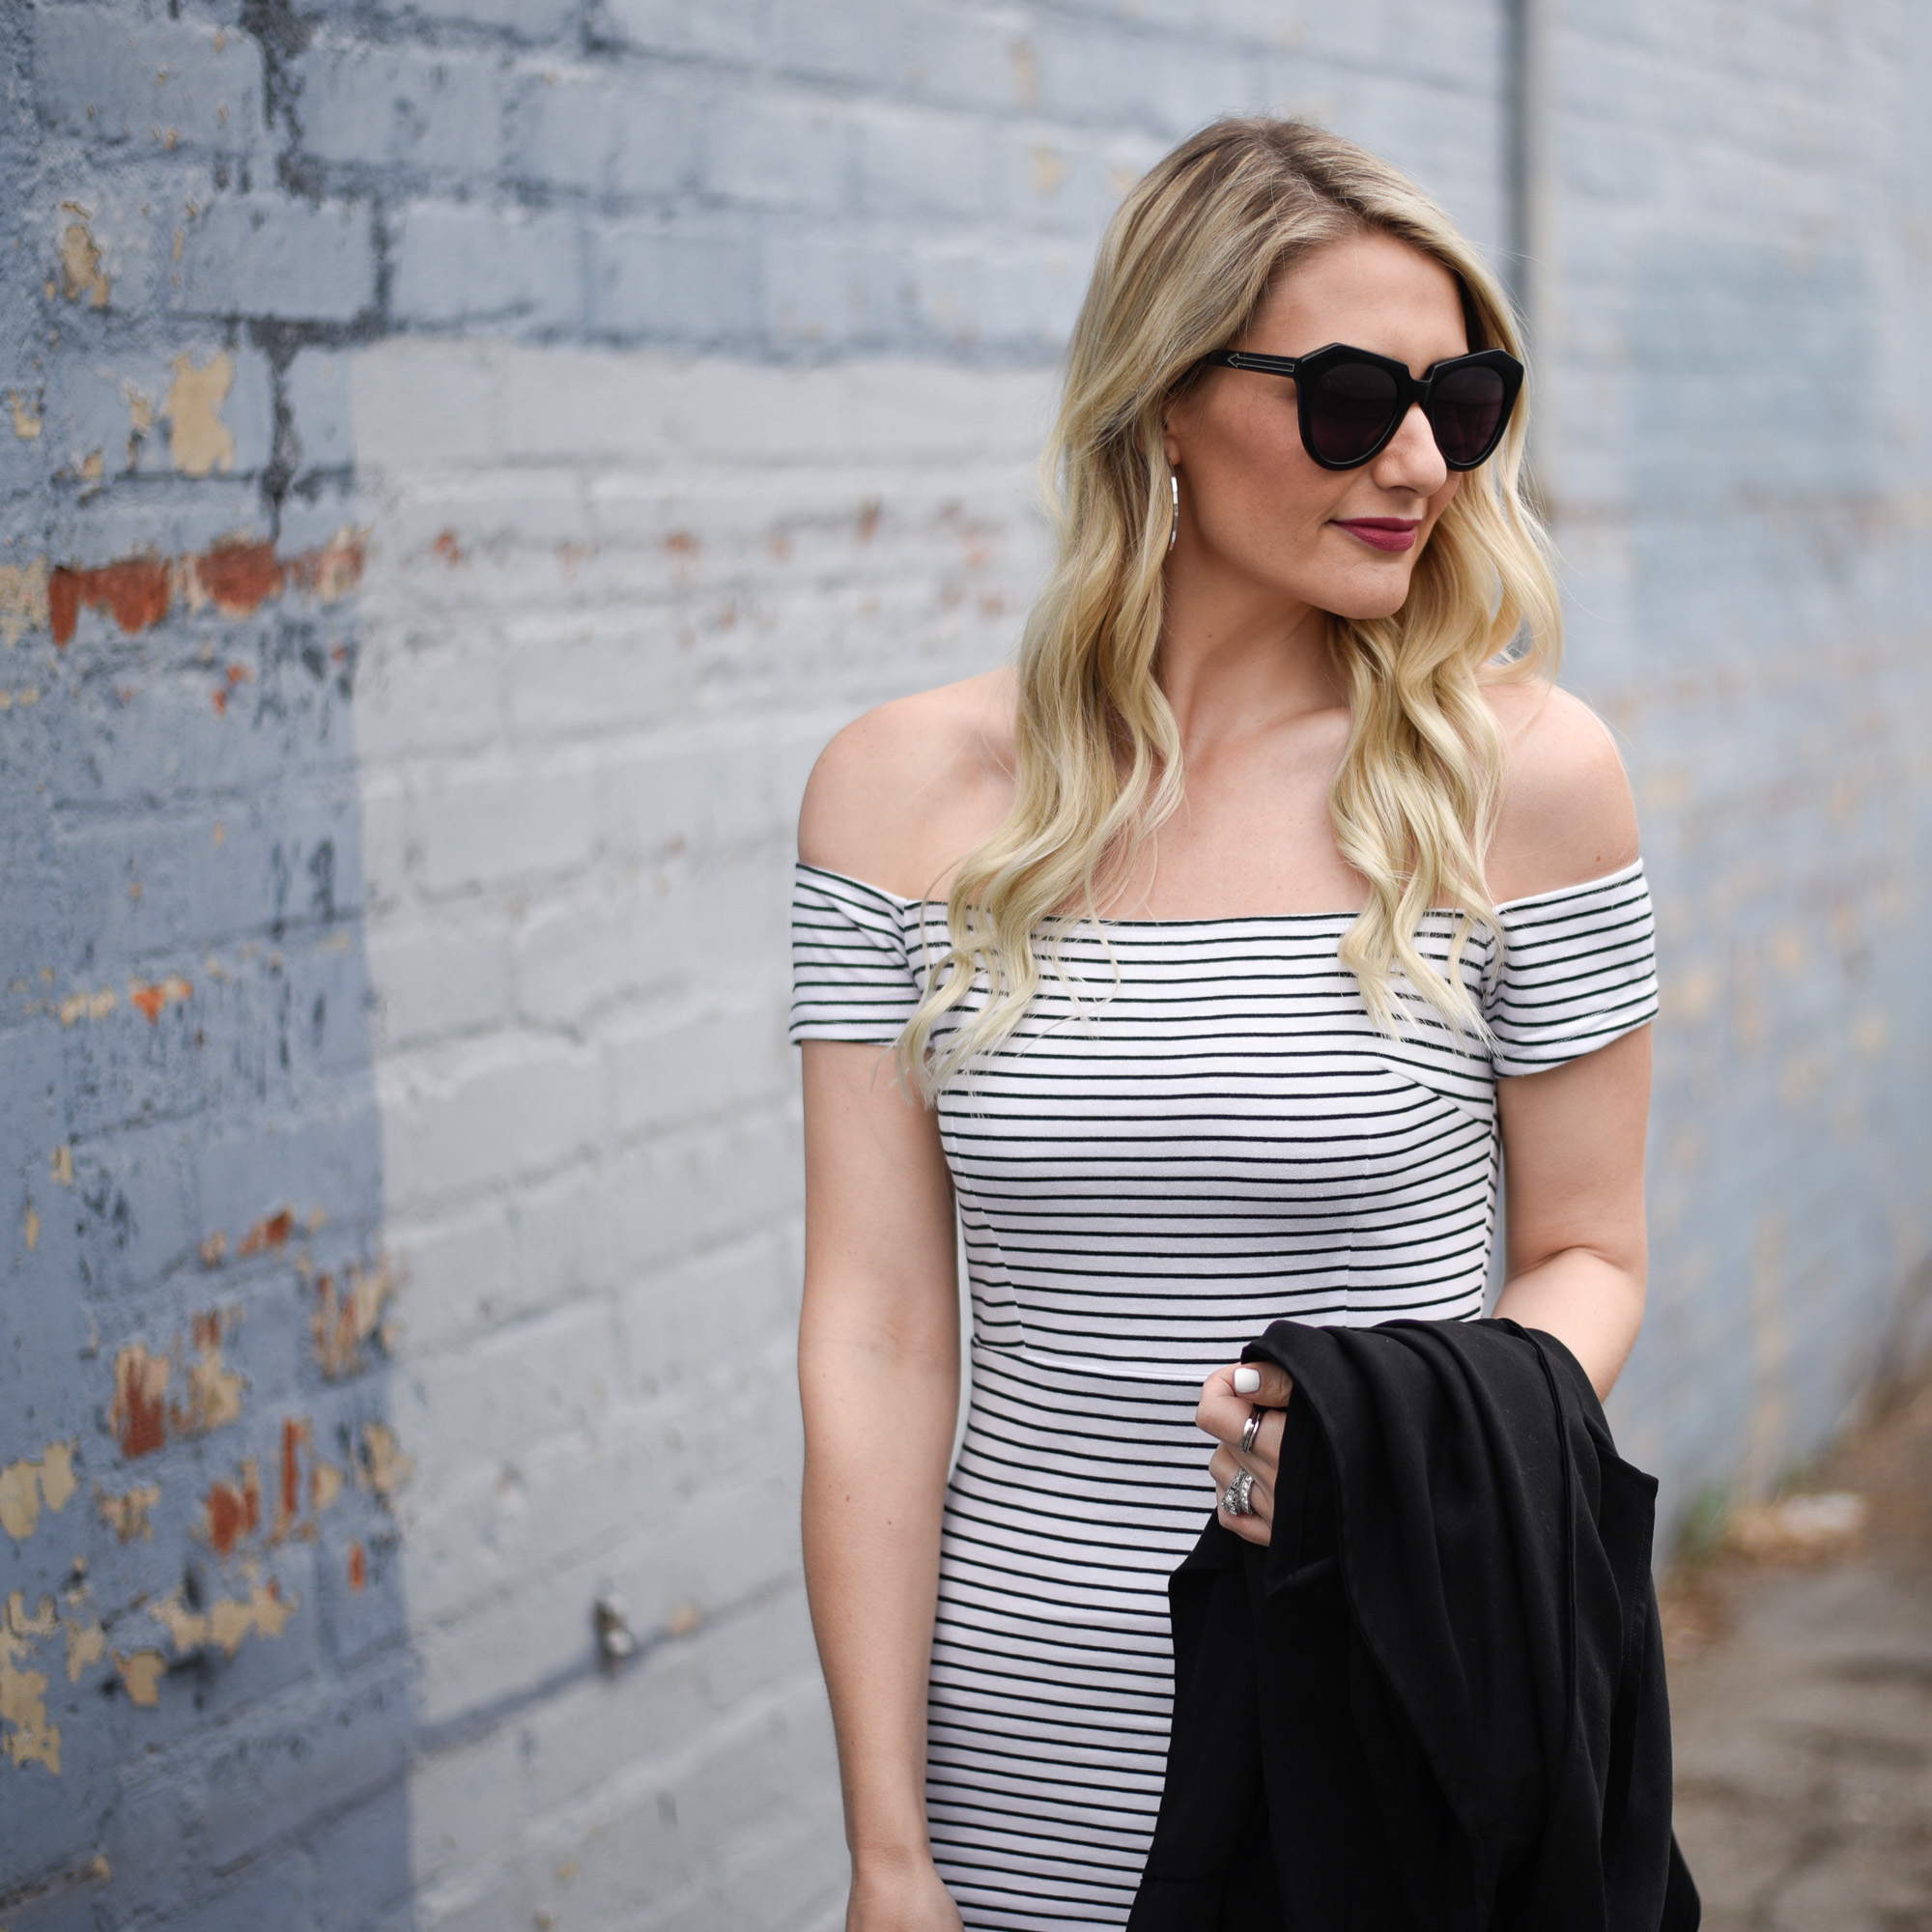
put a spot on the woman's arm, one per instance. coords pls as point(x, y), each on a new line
point(878, 1363)
point(1572, 1141)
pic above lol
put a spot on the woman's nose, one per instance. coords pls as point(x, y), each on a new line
point(1411, 461)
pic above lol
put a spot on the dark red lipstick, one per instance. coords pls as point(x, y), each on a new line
point(1381, 533)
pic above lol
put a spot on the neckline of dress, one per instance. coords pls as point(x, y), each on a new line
point(1583, 887)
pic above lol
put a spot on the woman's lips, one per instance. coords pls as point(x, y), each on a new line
point(1381, 533)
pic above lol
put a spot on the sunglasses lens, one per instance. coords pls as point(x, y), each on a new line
point(1466, 411)
point(1350, 410)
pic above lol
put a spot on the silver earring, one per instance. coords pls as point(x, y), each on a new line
point(1174, 529)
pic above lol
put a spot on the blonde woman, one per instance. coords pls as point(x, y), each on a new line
point(1223, 945)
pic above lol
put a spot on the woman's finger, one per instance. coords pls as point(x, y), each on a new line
point(1224, 1415)
point(1264, 1383)
point(1255, 1523)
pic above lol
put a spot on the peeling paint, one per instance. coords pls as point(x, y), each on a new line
point(142, 1673)
point(358, 1567)
point(139, 1416)
point(383, 1467)
point(126, 1514)
point(237, 577)
point(135, 591)
point(25, 1486)
point(86, 1644)
point(77, 1006)
point(273, 1230)
point(214, 1389)
point(30, 1737)
point(23, 599)
point(228, 1622)
point(233, 1510)
point(30, 1228)
point(345, 1322)
point(174, 991)
point(324, 1485)
point(26, 422)
point(82, 275)
point(288, 1500)
point(63, 1165)
point(199, 440)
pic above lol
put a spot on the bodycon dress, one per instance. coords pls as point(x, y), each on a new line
point(1195, 1131)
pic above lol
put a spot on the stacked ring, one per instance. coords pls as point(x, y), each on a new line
point(1234, 1498)
point(1252, 1427)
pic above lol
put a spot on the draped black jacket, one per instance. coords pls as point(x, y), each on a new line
point(1435, 1702)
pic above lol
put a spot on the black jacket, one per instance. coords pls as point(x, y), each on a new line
point(1435, 1702)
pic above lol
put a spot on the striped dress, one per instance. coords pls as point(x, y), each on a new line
point(1195, 1131)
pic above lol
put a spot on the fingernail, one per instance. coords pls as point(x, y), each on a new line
point(1247, 1381)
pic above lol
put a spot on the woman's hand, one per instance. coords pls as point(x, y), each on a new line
point(1225, 1415)
point(899, 1894)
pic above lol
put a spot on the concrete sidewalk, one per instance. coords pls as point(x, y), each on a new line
point(1802, 1699)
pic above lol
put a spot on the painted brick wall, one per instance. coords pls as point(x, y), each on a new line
point(463, 461)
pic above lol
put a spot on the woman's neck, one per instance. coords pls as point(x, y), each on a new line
point(1237, 659)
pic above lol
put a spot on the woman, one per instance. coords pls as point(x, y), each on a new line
point(1220, 943)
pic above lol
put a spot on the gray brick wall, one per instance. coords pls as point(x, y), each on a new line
point(464, 458)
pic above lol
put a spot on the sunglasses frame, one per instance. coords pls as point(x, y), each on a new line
point(1409, 391)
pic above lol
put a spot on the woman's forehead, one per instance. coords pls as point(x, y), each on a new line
point(1371, 291)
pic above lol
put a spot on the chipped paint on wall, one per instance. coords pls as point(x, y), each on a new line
point(228, 1622)
point(151, 999)
point(141, 1672)
point(198, 439)
point(233, 1510)
point(346, 1319)
point(235, 577)
point(25, 1486)
point(126, 1514)
point(27, 1735)
point(82, 279)
point(382, 1465)
point(142, 1417)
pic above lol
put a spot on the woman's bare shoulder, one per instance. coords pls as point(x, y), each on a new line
point(1567, 814)
point(903, 792)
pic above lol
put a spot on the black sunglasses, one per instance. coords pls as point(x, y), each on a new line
point(1351, 401)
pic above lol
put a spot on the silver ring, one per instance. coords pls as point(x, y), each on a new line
point(1252, 1427)
point(1234, 1498)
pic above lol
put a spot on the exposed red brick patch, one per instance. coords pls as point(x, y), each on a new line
point(139, 1417)
point(447, 548)
point(333, 571)
point(681, 542)
point(221, 702)
point(295, 1435)
point(358, 1567)
point(274, 1231)
point(136, 592)
point(234, 1509)
point(151, 999)
point(240, 674)
point(237, 576)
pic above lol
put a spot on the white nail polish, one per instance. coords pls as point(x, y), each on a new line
point(1247, 1381)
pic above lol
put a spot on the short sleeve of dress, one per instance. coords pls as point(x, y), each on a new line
point(850, 976)
point(1579, 970)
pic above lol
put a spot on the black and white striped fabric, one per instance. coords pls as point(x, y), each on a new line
point(1197, 1130)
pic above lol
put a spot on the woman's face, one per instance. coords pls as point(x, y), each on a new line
point(1254, 504)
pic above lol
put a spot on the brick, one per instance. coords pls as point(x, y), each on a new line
point(506, 1108)
point(674, 1073)
point(440, 977)
point(437, 110)
point(732, 30)
point(265, 255)
point(789, 154)
point(918, 163)
point(316, 389)
point(106, 75)
point(580, 128)
point(488, 825)
point(477, 265)
point(649, 282)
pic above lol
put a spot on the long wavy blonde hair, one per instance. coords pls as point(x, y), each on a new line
point(1186, 266)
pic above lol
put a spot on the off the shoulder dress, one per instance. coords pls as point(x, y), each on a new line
point(1199, 1133)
